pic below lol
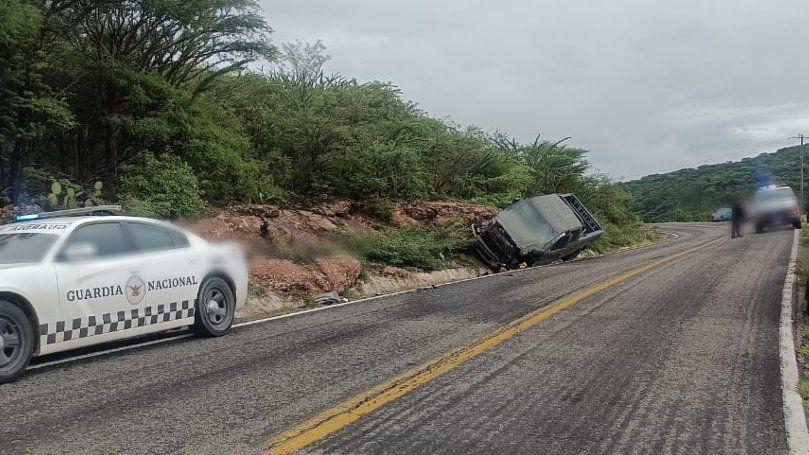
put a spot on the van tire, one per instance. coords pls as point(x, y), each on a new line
point(17, 343)
point(572, 256)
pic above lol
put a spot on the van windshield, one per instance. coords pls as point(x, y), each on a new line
point(527, 226)
point(25, 248)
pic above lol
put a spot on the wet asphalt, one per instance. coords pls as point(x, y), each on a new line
point(680, 359)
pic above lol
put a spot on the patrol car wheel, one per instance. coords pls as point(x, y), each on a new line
point(16, 342)
point(216, 306)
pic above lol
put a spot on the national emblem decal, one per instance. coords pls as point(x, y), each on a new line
point(135, 290)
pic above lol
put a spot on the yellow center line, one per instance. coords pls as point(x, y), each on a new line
point(343, 414)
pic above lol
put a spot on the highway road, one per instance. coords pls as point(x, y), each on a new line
point(671, 348)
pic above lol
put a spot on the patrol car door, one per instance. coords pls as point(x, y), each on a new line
point(95, 273)
point(170, 269)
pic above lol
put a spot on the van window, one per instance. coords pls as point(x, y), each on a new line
point(562, 242)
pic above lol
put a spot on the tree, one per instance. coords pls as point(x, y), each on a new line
point(29, 105)
point(555, 168)
point(141, 66)
point(187, 42)
point(301, 64)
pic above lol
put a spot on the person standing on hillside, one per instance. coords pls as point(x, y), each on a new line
point(736, 218)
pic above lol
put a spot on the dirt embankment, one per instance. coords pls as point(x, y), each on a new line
point(299, 252)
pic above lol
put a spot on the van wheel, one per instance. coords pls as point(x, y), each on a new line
point(759, 229)
point(216, 306)
point(16, 342)
point(571, 256)
point(796, 224)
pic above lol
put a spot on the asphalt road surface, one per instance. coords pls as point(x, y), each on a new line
point(664, 349)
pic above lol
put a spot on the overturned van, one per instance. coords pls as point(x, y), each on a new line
point(536, 231)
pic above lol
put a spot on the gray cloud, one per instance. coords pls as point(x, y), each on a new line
point(647, 86)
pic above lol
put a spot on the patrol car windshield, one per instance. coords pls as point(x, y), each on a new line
point(24, 248)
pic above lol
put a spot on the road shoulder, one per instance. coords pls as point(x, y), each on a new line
point(794, 416)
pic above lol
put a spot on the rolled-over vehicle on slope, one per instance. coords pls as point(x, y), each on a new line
point(81, 277)
point(536, 231)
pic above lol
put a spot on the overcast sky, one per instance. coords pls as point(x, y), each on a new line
point(645, 85)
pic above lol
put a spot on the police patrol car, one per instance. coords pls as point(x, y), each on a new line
point(80, 277)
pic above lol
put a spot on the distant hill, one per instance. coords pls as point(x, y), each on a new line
point(692, 194)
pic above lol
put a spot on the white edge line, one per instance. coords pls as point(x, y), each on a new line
point(337, 305)
point(794, 417)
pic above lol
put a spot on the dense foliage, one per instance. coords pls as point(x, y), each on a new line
point(415, 247)
point(165, 187)
point(693, 194)
point(154, 99)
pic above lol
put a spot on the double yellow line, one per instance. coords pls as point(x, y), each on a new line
point(340, 416)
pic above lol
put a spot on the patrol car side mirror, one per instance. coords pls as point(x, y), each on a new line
point(79, 251)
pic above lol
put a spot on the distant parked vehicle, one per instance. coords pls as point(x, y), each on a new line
point(536, 231)
point(723, 214)
point(774, 206)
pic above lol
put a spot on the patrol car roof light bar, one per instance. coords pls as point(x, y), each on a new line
point(99, 210)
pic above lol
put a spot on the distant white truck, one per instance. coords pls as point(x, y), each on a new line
point(774, 206)
point(81, 277)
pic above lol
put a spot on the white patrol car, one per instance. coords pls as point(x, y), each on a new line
point(72, 278)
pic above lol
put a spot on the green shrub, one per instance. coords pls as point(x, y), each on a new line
point(376, 170)
point(383, 210)
point(160, 187)
point(620, 236)
point(68, 195)
point(415, 247)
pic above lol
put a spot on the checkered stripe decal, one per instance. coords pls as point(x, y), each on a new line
point(62, 331)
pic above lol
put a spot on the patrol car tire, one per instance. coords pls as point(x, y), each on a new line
point(16, 328)
point(216, 307)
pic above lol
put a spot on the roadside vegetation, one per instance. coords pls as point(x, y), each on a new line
point(693, 194)
point(156, 105)
point(803, 353)
point(802, 272)
point(417, 248)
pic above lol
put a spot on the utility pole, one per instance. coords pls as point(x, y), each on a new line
point(802, 139)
